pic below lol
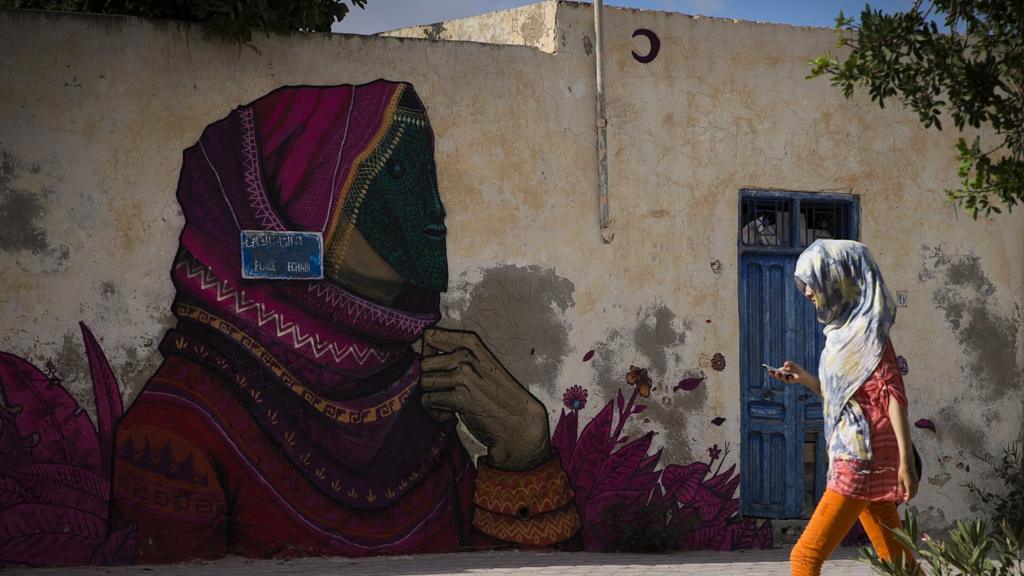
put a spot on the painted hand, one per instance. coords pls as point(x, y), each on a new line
point(908, 481)
point(462, 376)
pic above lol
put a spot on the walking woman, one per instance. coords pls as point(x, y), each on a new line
point(871, 461)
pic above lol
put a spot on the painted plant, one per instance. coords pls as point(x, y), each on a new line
point(625, 499)
point(55, 467)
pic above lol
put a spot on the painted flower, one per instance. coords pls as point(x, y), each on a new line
point(638, 377)
point(715, 452)
point(575, 398)
point(718, 361)
point(902, 363)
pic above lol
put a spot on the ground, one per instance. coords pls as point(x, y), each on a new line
point(745, 563)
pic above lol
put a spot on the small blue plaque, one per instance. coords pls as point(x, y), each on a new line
point(273, 255)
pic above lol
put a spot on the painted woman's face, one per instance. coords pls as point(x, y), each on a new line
point(402, 216)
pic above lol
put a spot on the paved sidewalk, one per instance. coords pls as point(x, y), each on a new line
point(745, 563)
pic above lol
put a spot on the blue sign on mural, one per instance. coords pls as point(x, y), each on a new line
point(272, 255)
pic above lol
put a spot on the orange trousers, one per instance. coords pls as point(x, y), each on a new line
point(832, 519)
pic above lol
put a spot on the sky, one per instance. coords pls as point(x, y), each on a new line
point(381, 15)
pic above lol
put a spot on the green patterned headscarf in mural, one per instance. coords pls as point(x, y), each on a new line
point(854, 304)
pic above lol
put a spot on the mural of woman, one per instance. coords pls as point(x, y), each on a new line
point(296, 417)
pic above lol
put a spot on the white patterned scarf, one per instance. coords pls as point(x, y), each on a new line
point(854, 304)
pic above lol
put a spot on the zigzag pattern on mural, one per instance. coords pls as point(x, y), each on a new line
point(264, 315)
point(512, 501)
point(250, 163)
point(544, 530)
point(362, 311)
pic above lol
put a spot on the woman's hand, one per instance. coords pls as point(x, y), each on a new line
point(908, 481)
point(462, 376)
point(793, 373)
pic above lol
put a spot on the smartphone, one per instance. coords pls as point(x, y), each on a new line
point(779, 370)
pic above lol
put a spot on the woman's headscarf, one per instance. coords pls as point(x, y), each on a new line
point(857, 309)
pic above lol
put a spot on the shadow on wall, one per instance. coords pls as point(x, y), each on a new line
point(317, 416)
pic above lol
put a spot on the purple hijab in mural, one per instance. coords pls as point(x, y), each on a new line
point(338, 368)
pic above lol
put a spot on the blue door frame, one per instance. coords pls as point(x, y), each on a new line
point(776, 324)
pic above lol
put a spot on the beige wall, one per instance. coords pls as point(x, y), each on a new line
point(95, 111)
point(530, 25)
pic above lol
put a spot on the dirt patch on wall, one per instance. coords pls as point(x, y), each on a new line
point(25, 189)
point(969, 300)
point(518, 311)
point(20, 209)
point(655, 342)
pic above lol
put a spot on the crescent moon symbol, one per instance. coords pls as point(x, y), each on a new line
point(655, 46)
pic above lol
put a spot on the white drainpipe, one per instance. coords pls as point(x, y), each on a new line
point(602, 126)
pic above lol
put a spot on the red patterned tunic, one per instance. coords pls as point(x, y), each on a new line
point(876, 480)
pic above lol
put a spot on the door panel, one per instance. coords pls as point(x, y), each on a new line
point(777, 324)
point(769, 419)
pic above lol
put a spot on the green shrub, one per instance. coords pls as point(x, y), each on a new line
point(969, 549)
point(1009, 506)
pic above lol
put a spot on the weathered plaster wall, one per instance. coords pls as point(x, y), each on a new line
point(725, 106)
point(530, 25)
point(92, 146)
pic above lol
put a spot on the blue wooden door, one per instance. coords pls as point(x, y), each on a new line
point(780, 422)
point(782, 452)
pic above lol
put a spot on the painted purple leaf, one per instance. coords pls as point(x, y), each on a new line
point(638, 408)
point(707, 503)
point(644, 481)
point(650, 463)
point(743, 534)
point(117, 550)
point(621, 465)
point(598, 533)
point(65, 433)
point(718, 421)
point(727, 508)
point(705, 538)
point(592, 448)
point(65, 485)
point(925, 423)
point(14, 447)
point(46, 549)
point(11, 493)
point(688, 384)
point(34, 533)
point(724, 483)
point(588, 356)
point(563, 440)
point(109, 406)
point(682, 481)
point(620, 400)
